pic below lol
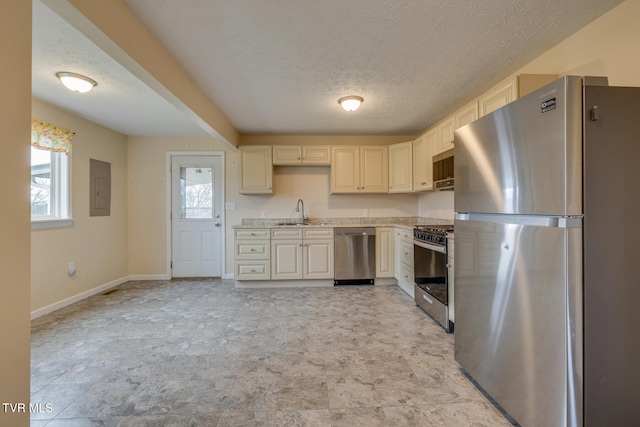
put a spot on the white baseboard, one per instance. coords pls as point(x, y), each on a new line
point(264, 284)
point(78, 297)
point(94, 291)
point(228, 276)
point(386, 281)
point(148, 277)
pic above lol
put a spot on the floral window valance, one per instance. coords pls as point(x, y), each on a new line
point(46, 136)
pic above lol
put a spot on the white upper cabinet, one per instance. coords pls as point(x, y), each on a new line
point(423, 150)
point(345, 169)
point(445, 133)
point(359, 169)
point(316, 155)
point(287, 154)
point(301, 155)
point(401, 167)
point(374, 169)
point(466, 114)
point(255, 168)
point(499, 96)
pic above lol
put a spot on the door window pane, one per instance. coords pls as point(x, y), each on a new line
point(196, 192)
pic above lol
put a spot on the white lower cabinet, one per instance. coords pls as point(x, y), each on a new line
point(286, 259)
point(298, 253)
point(317, 259)
point(404, 260)
point(385, 251)
point(252, 254)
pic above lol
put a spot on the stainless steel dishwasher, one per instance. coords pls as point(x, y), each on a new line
point(355, 255)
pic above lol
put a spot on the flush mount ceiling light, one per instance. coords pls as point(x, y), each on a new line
point(76, 82)
point(350, 103)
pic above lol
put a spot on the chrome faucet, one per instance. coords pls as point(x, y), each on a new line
point(303, 218)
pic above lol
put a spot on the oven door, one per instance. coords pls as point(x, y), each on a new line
point(430, 269)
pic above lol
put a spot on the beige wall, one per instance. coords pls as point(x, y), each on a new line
point(606, 47)
point(147, 171)
point(148, 199)
point(15, 228)
point(97, 245)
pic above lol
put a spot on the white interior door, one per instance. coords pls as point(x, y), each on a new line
point(196, 216)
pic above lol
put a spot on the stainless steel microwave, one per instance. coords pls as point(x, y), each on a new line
point(443, 170)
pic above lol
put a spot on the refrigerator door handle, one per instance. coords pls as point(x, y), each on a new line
point(535, 220)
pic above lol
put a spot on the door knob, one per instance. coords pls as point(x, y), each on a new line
point(217, 224)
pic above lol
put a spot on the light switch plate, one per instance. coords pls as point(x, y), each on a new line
point(230, 206)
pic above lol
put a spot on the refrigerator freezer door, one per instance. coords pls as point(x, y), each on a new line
point(516, 285)
point(524, 158)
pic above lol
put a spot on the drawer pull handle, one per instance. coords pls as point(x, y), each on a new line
point(253, 250)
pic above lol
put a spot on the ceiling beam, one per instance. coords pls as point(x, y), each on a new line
point(112, 27)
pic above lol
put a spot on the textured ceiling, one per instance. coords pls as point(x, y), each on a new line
point(120, 101)
point(279, 66)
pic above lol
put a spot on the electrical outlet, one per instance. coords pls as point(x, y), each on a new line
point(72, 268)
point(365, 212)
point(263, 214)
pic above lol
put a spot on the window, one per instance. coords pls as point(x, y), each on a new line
point(50, 180)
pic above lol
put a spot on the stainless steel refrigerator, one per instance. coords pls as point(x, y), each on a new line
point(547, 254)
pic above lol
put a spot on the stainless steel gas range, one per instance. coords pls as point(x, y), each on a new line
point(430, 270)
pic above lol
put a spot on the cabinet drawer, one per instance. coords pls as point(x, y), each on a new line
point(317, 233)
point(407, 276)
point(406, 235)
point(286, 233)
point(252, 249)
point(407, 253)
point(252, 270)
point(255, 233)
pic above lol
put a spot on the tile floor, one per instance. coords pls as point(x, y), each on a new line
point(202, 353)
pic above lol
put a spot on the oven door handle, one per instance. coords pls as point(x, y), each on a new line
point(426, 245)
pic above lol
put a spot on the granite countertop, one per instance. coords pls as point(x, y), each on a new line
point(403, 222)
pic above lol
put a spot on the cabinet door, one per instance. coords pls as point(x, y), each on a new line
point(401, 167)
point(286, 259)
point(397, 262)
point(466, 114)
point(374, 169)
point(287, 154)
point(316, 155)
point(498, 97)
point(423, 150)
point(385, 252)
point(445, 134)
point(318, 259)
point(345, 169)
point(255, 170)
